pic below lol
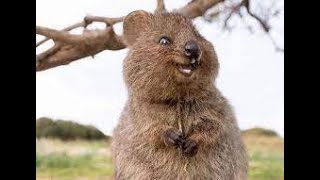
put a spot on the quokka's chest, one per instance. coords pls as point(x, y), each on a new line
point(187, 118)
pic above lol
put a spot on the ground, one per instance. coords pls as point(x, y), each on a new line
point(90, 160)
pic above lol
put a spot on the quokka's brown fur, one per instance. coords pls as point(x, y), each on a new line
point(163, 102)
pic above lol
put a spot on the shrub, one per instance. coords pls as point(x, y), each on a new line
point(260, 132)
point(66, 130)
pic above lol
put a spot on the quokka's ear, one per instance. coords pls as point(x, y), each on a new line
point(135, 23)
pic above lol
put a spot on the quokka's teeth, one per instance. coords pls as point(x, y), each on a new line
point(187, 71)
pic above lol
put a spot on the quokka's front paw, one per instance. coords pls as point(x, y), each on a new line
point(173, 137)
point(190, 147)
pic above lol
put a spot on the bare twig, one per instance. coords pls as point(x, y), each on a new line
point(279, 49)
point(264, 24)
point(233, 10)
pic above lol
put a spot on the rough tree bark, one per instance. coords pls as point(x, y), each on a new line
point(70, 47)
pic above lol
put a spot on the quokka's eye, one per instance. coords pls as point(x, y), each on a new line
point(164, 40)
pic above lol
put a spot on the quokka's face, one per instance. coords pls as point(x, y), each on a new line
point(167, 54)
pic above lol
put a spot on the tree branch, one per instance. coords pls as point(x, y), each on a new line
point(108, 21)
point(75, 47)
point(81, 24)
point(56, 35)
point(86, 21)
point(71, 47)
point(197, 8)
point(160, 7)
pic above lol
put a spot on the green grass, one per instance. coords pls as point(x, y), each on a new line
point(63, 166)
point(266, 157)
point(92, 160)
point(266, 166)
point(72, 160)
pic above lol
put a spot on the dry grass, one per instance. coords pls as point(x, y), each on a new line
point(267, 144)
point(76, 147)
point(90, 160)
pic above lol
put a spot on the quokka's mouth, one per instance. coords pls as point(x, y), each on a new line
point(187, 69)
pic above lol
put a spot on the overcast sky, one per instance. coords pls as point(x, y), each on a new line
point(92, 91)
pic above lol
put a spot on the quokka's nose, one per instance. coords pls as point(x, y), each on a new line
point(192, 50)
